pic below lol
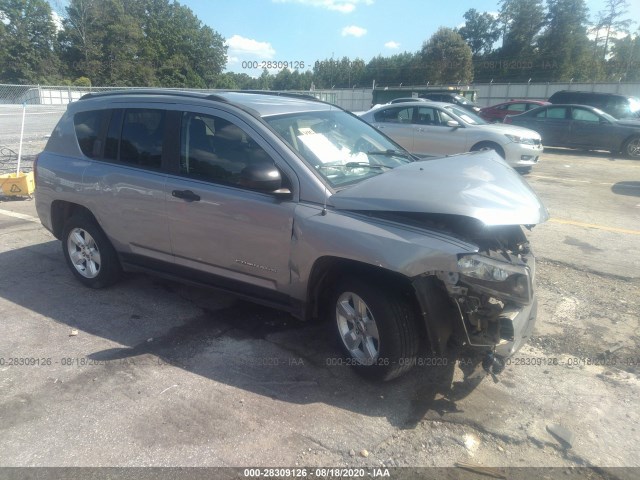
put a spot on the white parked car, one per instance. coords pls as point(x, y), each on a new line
point(437, 128)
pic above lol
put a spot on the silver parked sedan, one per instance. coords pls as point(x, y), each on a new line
point(440, 128)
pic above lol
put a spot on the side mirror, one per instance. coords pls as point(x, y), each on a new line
point(264, 177)
point(453, 124)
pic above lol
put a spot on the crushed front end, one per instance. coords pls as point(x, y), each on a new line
point(490, 299)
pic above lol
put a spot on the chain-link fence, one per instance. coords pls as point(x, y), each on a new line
point(39, 122)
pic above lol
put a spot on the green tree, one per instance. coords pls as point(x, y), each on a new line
point(611, 20)
point(624, 63)
point(27, 42)
point(521, 22)
point(565, 40)
point(447, 58)
point(481, 31)
point(402, 68)
point(140, 42)
point(81, 38)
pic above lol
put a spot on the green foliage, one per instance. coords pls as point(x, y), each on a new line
point(162, 43)
point(343, 73)
point(140, 42)
point(565, 41)
point(27, 42)
point(447, 58)
point(82, 82)
point(480, 31)
point(624, 63)
point(521, 22)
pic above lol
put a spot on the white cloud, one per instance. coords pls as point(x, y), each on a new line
point(353, 31)
point(392, 45)
point(247, 47)
point(343, 6)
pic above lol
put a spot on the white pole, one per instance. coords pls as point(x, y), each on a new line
point(24, 109)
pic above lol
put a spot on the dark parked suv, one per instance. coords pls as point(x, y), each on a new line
point(298, 204)
point(618, 106)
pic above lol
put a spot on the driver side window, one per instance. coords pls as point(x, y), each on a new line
point(216, 150)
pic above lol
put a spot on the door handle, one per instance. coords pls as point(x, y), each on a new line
point(187, 195)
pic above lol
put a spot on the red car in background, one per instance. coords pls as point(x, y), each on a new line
point(496, 113)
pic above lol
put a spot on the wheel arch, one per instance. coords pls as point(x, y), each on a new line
point(327, 270)
point(62, 210)
point(491, 144)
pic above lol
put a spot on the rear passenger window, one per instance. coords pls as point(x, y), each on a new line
point(517, 107)
point(87, 125)
point(142, 137)
point(557, 112)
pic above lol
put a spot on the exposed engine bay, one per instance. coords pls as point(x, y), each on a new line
point(491, 293)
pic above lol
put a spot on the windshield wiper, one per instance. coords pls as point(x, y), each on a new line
point(355, 165)
point(391, 153)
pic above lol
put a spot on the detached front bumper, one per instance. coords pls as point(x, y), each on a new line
point(522, 321)
point(476, 315)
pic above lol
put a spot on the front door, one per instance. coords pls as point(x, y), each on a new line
point(234, 234)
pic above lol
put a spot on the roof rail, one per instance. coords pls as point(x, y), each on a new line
point(134, 91)
point(197, 94)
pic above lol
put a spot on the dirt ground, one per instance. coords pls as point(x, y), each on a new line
point(153, 373)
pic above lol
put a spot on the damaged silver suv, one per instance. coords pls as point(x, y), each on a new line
point(295, 203)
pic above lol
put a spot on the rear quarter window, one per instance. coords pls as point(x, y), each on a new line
point(87, 126)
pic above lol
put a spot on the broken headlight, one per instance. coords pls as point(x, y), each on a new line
point(496, 278)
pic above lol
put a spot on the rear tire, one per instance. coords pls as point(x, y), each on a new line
point(89, 253)
point(375, 327)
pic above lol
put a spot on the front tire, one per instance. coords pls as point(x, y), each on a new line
point(631, 148)
point(376, 328)
point(89, 253)
point(489, 146)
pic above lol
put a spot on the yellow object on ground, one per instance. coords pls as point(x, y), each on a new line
point(18, 185)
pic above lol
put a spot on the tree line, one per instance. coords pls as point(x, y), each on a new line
point(163, 43)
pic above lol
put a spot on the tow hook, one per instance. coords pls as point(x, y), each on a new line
point(493, 365)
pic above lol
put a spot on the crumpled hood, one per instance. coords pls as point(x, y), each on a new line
point(478, 185)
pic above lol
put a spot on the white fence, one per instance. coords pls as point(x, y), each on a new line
point(490, 94)
point(353, 99)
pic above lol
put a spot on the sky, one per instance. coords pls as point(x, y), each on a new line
point(307, 31)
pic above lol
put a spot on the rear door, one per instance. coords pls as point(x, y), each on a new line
point(223, 231)
point(125, 187)
point(396, 122)
point(553, 124)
